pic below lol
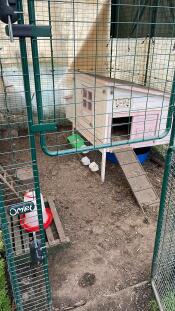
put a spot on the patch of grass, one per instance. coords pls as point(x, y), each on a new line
point(153, 305)
point(5, 304)
point(169, 301)
point(1, 245)
point(4, 298)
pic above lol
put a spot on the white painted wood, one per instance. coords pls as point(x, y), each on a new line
point(120, 99)
point(103, 165)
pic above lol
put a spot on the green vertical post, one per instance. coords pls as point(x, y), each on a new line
point(36, 69)
point(10, 254)
point(152, 34)
point(26, 80)
point(35, 60)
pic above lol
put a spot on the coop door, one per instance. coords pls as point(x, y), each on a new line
point(145, 126)
point(121, 128)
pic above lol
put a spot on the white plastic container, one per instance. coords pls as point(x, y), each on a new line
point(85, 161)
point(32, 218)
point(94, 167)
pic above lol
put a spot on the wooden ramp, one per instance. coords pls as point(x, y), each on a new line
point(136, 176)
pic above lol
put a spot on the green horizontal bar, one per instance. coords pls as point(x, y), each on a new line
point(96, 147)
point(43, 128)
point(41, 31)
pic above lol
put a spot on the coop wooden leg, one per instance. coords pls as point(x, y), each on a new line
point(103, 165)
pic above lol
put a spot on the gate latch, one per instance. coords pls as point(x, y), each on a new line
point(8, 14)
point(8, 8)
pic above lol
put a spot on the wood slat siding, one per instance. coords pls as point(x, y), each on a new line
point(157, 104)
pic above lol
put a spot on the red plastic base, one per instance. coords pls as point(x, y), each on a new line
point(29, 228)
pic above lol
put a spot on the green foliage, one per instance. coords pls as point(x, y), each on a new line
point(4, 298)
point(1, 244)
point(154, 305)
point(4, 301)
point(169, 301)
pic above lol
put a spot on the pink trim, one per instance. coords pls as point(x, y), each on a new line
point(68, 97)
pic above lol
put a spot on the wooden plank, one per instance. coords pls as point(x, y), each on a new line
point(146, 197)
point(10, 228)
point(126, 157)
point(136, 177)
point(50, 236)
point(17, 237)
point(25, 239)
point(57, 221)
point(133, 170)
point(139, 183)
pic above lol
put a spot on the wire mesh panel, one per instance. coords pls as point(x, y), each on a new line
point(164, 254)
point(85, 75)
point(19, 177)
point(111, 72)
point(101, 71)
point(29, 280)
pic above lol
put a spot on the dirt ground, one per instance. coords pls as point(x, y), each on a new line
point(110, 240)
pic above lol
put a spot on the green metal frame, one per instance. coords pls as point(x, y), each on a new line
point(25, 70)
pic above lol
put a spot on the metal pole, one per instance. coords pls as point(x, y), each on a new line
point(24, 62)
point(152, 34)
point(165, 184)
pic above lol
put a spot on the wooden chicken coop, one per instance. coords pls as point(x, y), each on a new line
point(109, 110)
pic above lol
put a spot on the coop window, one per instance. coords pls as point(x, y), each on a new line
point(84, 93)
point(121, 128)
point(89, 105)
point(89, 95)
point(87, 99)
point(84, 103)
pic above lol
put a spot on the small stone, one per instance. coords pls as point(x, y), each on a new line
point(88, 279)
point(113, 213)
point(88, 221)
point(24, 174)
point(98, 230)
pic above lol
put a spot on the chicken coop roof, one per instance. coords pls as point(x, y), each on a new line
point(118, 83)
